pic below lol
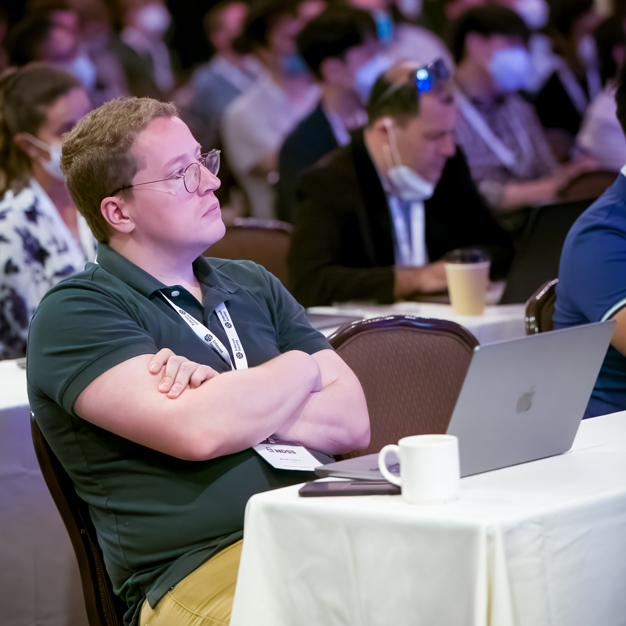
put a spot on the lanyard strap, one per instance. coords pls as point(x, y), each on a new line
point(477, 122)
point(241, 362)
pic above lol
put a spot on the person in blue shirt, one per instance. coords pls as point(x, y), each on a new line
point(592, 280)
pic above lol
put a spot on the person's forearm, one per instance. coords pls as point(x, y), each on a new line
point(335, 419)
point(518, 195)
point(226, 414)
point(248, 406)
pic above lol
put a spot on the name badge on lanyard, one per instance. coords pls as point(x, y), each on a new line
point(287, 456)
point(241, 362)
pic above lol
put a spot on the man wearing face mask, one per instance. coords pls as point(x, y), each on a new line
point(341, 48)
point(564, 99)
point(543, 61)
point(376, 216)
point(499, 131)
point(256, 123)
point(146, 23)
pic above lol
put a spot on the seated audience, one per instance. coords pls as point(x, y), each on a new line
point(152, 414)
point(340, 47)
point(256, 123)
point(102, 44)
point(543, 61)
point(498, 130)
point(42, 237)
point(600, 135)
point(145, 55)
point(51, 35)
point(592, 280)
point(227, 75)
point(564, 98)
point(376, 216)
point(401, 39)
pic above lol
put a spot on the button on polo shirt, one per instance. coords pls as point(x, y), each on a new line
point(157, 517)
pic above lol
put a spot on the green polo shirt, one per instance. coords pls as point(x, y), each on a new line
point(158, 518)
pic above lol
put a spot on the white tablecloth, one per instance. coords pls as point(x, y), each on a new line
point(39, 580)
point(498, 322)
point(538, 544)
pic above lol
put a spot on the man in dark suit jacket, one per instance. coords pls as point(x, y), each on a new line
point(340, 47)
point(376, 216)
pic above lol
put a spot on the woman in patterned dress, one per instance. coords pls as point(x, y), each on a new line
point(43, 239)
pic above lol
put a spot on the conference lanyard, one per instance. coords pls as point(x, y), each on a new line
point(476, 120)
point(241, 362)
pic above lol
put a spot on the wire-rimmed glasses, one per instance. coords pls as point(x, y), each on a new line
point(190, 176)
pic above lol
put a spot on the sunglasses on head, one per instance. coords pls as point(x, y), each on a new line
point(425, 79)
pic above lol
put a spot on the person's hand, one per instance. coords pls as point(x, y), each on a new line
point(178, 373)
point(430, 278)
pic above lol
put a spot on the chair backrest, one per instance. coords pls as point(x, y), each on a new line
point(540, 308)
point(104, 608)
point(538, 258)
point(265, 242)
point(588, 185)
point(411, 370)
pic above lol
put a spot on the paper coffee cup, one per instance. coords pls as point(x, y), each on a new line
point(429, 468)
point(467, 273)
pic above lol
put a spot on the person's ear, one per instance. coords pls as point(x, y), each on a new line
point(23, 142)
point(115, 212)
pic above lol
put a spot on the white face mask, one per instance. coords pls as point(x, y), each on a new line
point(366, 75)
point(53, 165)
point(153, 19)
point(587, 51)
point(411, 9)
point(509, 69)
point(534, 12)
point(406, 183)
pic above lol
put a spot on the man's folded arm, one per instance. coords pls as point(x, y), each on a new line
point(335, 419)
point(226, 414)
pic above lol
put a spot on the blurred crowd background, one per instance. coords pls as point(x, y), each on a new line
point(243, 78)
point(276, 85)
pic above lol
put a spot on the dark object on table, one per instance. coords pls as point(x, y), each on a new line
point(537, 260)
point(104, 608)
point(540, 308)
point(411, 369)
point(349, 488)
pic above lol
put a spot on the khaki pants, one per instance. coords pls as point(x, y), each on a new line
point(204, 598)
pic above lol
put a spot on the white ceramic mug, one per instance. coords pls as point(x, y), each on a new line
point(429, 468)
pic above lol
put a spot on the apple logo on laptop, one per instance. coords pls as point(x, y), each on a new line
point(525, 401)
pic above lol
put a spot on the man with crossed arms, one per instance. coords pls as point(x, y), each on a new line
point(137, 369)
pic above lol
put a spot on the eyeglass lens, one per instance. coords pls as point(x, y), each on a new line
point(192, 175)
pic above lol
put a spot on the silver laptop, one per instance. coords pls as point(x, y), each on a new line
point(521, 400)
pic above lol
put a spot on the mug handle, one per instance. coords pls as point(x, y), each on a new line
point(382, 463)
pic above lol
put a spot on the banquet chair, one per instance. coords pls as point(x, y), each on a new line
point(588, 185)
point(265, 242)
point(411, 370)
point(104, 608)
point(540, 308)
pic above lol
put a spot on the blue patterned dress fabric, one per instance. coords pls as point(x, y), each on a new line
point(36, 252)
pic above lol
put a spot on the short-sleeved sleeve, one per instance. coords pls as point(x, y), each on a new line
point(79, 332)
point(592, 275)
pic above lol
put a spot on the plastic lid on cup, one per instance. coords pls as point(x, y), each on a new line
point(466, 256)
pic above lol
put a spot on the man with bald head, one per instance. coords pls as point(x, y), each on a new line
point(376, 216)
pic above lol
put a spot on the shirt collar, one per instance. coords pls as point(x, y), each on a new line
point(220, 286)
